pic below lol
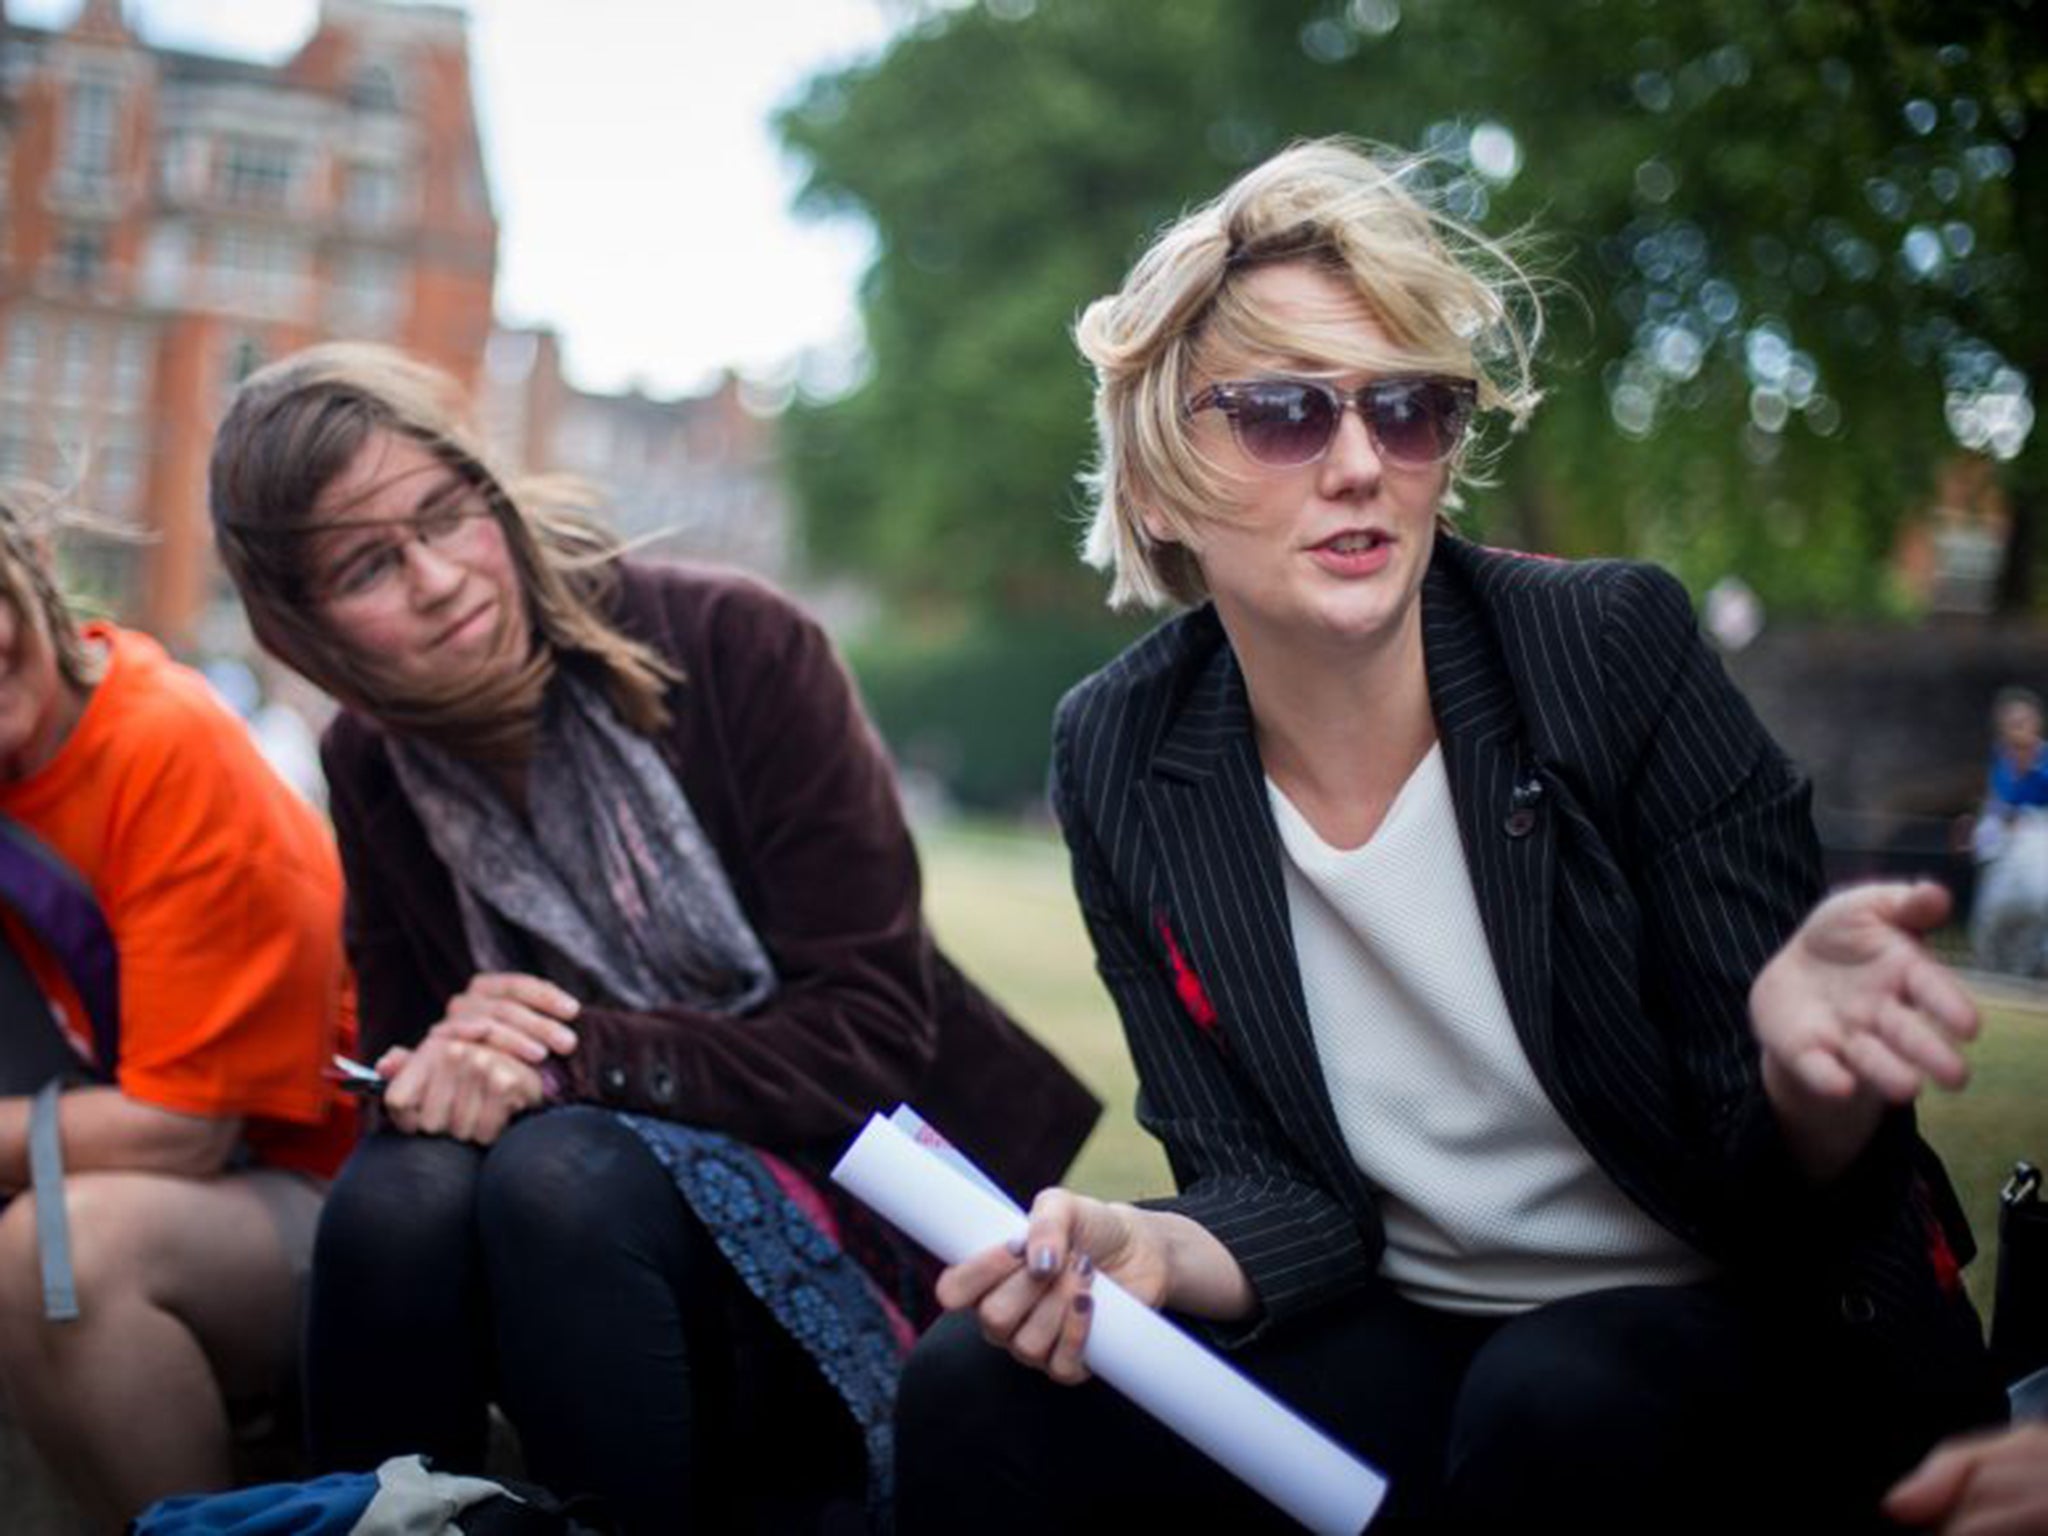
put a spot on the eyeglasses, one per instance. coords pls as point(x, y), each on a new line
point(373, 568)
point(1281, 423)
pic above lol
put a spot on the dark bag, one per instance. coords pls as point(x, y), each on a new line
point(51, 899)
point(2019, 1311)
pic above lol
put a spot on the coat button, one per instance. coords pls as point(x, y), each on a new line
point(1520, 823)
point(613, 1080)
point(662, 1085)
point(1857, 1308)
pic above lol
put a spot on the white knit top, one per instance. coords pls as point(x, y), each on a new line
point(1491, 1204)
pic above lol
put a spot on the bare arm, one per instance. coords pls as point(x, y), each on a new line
point(102, 1128)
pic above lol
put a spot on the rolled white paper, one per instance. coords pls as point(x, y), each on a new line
point(1190, 1390)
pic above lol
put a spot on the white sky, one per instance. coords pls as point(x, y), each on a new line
point(643, 201)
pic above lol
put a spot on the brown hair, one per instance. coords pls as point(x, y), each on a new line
point(1450, 301)
point(29, 586)
point(298, 424)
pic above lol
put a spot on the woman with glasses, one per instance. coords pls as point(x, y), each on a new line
point(635, 918)
point(1452, 901)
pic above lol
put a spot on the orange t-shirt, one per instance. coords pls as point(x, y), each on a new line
point(223, 891)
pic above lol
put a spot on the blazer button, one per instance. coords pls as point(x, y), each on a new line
point(1520, 823)
point(662, 1085)
point(1857, 1308)
point(613, 1080)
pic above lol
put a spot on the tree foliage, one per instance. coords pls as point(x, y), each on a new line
point(1801, 244)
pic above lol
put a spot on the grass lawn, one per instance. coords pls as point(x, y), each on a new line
point(1001, 904)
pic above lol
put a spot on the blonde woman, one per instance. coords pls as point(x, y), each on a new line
point(1452, 901)
point(636, 920)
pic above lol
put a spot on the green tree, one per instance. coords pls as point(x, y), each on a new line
point(1808, 238)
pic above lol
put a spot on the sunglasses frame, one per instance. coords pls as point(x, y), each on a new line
point(1230, 396)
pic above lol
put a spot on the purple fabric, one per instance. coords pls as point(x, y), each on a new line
point(59, 907)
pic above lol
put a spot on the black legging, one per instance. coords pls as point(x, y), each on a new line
point(1640, 1409)
point(559, 1273)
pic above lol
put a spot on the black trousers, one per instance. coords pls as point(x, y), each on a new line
point(1644, 1409)
point(559, 1274)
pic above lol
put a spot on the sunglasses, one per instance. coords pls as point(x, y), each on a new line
point(1414, 423)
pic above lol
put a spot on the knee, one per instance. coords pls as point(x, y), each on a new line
point(111, 1223)
point(409, 1197)
point(560, 1181)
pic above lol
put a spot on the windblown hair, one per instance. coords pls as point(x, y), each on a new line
point(1449, 300)
point(28, 582)
point(297, 425)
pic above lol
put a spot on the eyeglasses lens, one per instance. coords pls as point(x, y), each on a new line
point(1412, 421)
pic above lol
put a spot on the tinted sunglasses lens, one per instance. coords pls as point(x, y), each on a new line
point(1282, 424)
point(1418, 422)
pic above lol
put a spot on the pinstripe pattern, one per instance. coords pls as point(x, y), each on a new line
point(1669, 855)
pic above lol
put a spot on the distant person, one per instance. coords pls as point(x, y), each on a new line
point(1534, 1132)
point(2009, 920)
point(192, 1174)
point(636, 918)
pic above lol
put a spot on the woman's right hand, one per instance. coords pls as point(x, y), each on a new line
point(477, 1068)
point(450, 1087)
point(1032, 1297)
point(523, 1016)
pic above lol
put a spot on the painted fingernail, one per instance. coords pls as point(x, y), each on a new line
point(1084, 1303)
point(1083, 1265)
point(1014, 1247)
point(1042, 1260)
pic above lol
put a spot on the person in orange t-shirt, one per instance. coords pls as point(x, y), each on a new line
point(193, 1180)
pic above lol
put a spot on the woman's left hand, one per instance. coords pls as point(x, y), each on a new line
point(1991, 1483)
point(1854, 1014)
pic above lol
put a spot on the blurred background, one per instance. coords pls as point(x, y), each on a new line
point(793, 283)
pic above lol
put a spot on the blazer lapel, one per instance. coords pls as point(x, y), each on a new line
point(1504, 822)
point(1205, 802)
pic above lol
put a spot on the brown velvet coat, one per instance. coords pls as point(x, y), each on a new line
point(795, 794)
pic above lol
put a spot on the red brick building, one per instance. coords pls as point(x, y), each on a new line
point(172, 220)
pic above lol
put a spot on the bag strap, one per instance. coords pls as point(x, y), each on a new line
point(54, 901)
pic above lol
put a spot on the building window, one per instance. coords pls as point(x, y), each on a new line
point(181, 166)
point(81, 256)
point(258, 269)
point(369, 296)
point(166, 261)
point(24, 351)
point(243, 357)
point(89, 129)
point(374, 89)
point(257, 173)
point(132, 350)
point(373, 195)
point(74, 362)
point(120, 479)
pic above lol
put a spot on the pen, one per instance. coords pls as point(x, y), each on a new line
point(354, 1077)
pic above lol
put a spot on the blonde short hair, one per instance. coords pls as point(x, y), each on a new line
point(1451, 301)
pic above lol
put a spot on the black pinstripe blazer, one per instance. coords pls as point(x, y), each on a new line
point(1638, 847)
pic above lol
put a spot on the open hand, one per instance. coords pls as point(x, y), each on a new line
point(1992, 1484)
point(1854, 1013)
